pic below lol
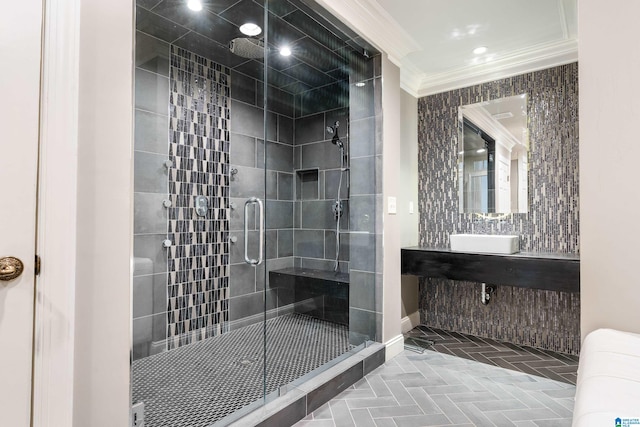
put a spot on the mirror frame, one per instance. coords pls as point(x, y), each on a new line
point(501, 144)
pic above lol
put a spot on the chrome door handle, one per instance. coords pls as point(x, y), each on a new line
point(251, 201)
point(10, 268)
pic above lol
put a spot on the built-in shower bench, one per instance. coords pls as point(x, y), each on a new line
point(318, 293)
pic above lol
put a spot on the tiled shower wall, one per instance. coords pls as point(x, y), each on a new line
point(151, 150)
point(198, 263)
point(366, 207)
point(317, 176)
point(247, 158)
point(545, 319)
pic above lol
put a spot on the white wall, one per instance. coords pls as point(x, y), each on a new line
point(103, 307)
point(408, 192)
point(391, 188)
point(609, 66)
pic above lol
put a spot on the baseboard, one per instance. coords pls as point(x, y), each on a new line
point(394, 346)
point(409, 322)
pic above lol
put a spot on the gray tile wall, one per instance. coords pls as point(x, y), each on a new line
point(551, 225)
point(294, 229)
point(365, 213)
point(248, 156)
point(317, 174)
point(151, 145)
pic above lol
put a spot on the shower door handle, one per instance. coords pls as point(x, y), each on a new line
point(253, 201)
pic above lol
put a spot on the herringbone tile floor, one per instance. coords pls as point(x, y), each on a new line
point(548, 364)
point(436, 389)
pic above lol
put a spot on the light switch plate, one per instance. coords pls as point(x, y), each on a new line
point(411, 208)
point(392, 207)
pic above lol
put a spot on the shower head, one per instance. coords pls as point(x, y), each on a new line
point(247, 47)
point(334, 130)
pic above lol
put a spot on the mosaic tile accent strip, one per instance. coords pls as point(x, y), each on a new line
point(552, 223)
point(543, 363)
point(199, 384)
point(198, 279)
point(531, 317)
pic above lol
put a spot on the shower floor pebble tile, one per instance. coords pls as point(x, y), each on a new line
point(199, 384)
point(436, 389)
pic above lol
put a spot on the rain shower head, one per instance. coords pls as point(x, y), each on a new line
point(247, 47)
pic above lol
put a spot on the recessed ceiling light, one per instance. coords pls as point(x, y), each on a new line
point(480, 50)
point(482, 150)
point(360, 84)
point(250, 29)
point(195, 5)
point(285, 51)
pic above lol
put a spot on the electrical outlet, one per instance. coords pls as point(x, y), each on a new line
point(392, 208)
point(137, 415)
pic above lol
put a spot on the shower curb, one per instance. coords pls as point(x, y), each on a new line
point(307, 396)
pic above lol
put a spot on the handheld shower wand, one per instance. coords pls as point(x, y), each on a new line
point(337, 206)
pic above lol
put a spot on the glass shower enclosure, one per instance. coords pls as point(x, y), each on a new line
point(254, 193)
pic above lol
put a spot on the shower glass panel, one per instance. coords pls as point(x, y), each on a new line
point(255, 204)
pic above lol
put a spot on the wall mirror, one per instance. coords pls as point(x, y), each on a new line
point(492, 156)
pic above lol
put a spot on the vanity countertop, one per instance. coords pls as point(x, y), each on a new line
point(546, 255)
point(547, 271)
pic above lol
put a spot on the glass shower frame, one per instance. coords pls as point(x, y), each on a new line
point(261, 262)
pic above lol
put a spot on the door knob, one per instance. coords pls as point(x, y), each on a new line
point(10, 268)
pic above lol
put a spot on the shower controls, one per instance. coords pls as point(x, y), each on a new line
point(233, 205)
point(166, 243)
point(202, 205)
point(167, 203)
point(233, 172)
point(233, 239)
point(168, 164)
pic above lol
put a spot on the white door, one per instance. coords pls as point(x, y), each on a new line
point(20, 52)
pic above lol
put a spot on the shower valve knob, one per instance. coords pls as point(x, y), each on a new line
point(168, 164)
point(233, 239)
point(167, 203)
point(166, 243)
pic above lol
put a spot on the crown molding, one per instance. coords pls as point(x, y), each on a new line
point(375, 24)
point(525, 61)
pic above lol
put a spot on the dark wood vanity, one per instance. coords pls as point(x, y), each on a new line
point(556, 272)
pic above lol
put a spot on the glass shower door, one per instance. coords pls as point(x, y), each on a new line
point(254, 204)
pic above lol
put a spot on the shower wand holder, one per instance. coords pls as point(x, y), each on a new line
point(337, 209)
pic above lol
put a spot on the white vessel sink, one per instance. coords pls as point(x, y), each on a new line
point(485, 243)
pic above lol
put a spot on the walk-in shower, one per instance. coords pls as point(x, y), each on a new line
point(254, 252)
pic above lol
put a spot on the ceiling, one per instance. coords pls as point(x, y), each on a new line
point(321, 48)
point(433, 40)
